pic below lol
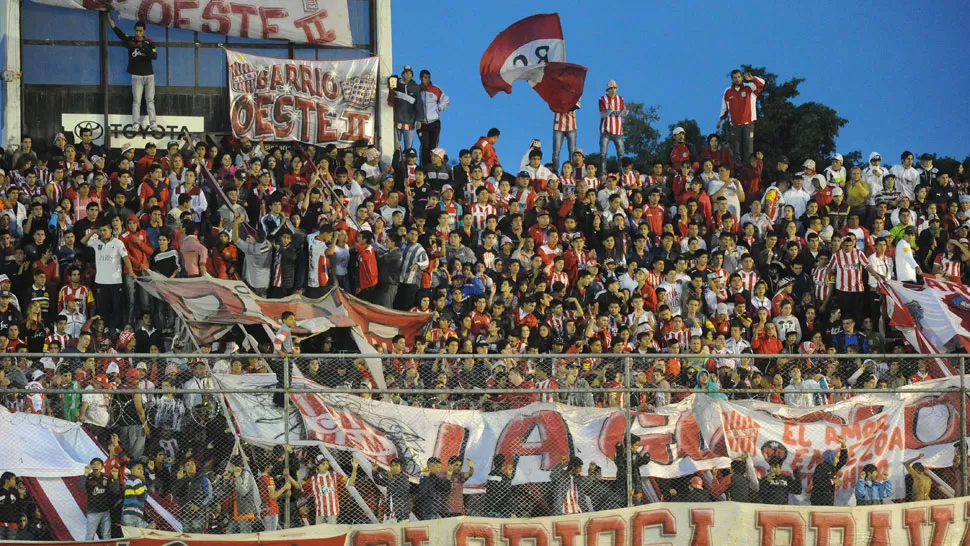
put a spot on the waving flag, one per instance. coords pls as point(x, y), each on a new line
point(934, 317)
point(534, 50)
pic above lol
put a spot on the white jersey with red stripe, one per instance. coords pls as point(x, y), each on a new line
point(632, 179)
point(564, 122)
point(480, 213)
point(749, 279)
point(570, 504)
point(848, 267)
point(318, 273)
point(950, 269)
point(592, 183)
point(547, 384)
point(821, 284)
point(612, 122)
point(325, 489)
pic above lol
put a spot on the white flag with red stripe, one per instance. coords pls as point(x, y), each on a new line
point(534, 50)
point(934, 316)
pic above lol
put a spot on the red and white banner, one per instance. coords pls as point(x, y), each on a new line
point(934, 316)
point(308, 101)
point(534, 50)
point(161, 538)
point(321, 22)
point(209, 305)
point(699, 434)
point(936, 523)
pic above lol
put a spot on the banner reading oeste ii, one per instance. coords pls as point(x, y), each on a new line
point(308, 101)
point(937, 523)
point(322, 22)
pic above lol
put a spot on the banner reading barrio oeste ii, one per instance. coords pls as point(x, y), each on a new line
point(307, 101)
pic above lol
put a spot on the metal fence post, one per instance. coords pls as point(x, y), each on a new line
point(286, 438)
point(628, 379)
point(961, 491)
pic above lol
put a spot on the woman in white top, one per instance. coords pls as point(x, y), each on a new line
point(730, 188)
point(340, 260)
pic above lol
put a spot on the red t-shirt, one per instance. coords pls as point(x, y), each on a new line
point(270, 506)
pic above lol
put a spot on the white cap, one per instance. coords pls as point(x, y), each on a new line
point(678, 130)
point(611, 84)
point(836, 157)
point(112, 368)
point(836, 191)
point(809, 164)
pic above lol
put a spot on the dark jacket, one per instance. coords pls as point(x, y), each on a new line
point(405, 101)
point(432, 492)
point(102, 493)
point(398, 494)
point(776, 490)
point(619, 459)
point(389, 267)
point(691, 495)
point(823, 490)
point(140, 54)
point(498, 496)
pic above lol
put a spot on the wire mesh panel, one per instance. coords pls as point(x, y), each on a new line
point(237, 443)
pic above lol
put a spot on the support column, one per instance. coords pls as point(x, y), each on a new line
point(11, 74)
point(381, 46)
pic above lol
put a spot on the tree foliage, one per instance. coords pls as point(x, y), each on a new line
point(804, 131)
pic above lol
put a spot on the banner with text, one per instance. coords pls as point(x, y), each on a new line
point(697, 524)
point(699, 434)
point(308, 101)
point(320, 22)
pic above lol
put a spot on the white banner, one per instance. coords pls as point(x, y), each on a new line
point(321, 22)
point(936, 523)
point(308, 101)
point(699, 434)
point(123, 131)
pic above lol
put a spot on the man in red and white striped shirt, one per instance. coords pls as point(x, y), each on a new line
point(740, 101)
point(481, 210)
point(546, 383)
point(563, 124)
point(324, 488)
point(565, 485)
point(847, 265)
point(749, 276)
point(612, 112)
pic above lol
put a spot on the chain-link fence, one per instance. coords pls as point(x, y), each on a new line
point(238, 443)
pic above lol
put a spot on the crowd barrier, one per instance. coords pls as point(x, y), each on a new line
point(281, 423)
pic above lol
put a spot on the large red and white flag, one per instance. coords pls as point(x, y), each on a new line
point(934, 316)
point(534, 50)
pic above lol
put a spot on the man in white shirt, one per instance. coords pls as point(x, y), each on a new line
point(906, 266)
point(95, 413)
point(907, 177)
point(111, 262)
point(797, 197)
point(800, 399)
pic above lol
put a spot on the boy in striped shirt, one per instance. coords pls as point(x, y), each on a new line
point(324, 488)
point(135, 493)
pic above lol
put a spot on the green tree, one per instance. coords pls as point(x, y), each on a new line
point(641, 136)
point(804, 131)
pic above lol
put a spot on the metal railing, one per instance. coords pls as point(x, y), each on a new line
point(327, 435)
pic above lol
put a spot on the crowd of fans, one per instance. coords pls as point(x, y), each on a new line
point(697, 255)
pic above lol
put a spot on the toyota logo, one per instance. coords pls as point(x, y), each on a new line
point(97, 131)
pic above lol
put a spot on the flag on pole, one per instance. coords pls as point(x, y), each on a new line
point(534, 50)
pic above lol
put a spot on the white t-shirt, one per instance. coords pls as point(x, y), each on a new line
point(730, 193)
point(905, 262)
point(97, 412)
point(109, 260)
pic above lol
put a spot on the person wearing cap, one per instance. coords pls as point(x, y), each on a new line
point(612, 111)
point(835, 174)
point(141, 53)
point(797, 196)
point(927, 172)
point(404, 98)
point(739, 105)
point(873, 175)
point(682, 151)
point(431, 102)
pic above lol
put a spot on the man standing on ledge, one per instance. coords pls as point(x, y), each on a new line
point(612, 112)
point(740, 102)
point(141, 53)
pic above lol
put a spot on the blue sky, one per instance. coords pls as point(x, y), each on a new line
point(900, 75)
